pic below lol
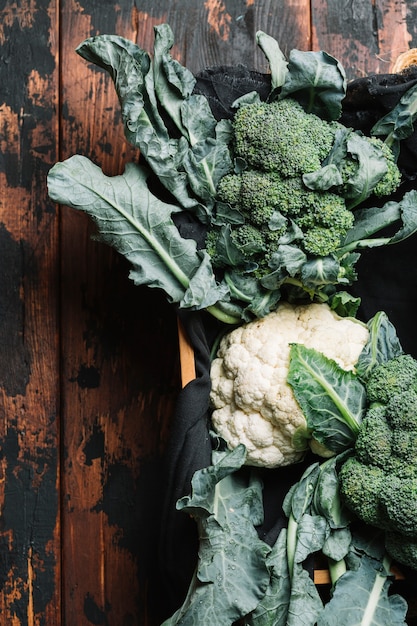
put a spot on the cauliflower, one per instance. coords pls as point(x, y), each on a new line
point(252, 402)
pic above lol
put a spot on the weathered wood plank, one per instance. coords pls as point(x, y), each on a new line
point(366, 37)
point(29, 367)
point(119, 367)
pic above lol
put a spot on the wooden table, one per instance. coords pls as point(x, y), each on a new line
point(89, 367)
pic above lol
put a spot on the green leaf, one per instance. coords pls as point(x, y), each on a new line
point(383, 344)
point(371, 220)
point(320, 271)
point(205, 164)
point(398, 124)
point(139, 226)
point(361, 598)
point(305, 603)
point(326, 501)
point(318, 81)
point(333, 400)
point(277, 62)
point(323, 179)
point(232, 574)
point(273, 608)
point(344, 304)
point(173, 82)
point(130, 69)
point(371, 167)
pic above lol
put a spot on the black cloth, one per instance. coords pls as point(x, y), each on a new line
point(387, 281)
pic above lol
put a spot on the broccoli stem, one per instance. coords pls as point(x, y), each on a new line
point(336, 569)
point(222, 316)
point(291, 544)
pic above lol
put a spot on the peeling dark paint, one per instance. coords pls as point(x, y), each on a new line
point(29, 515)
point(15, 362)
point(88, 377)
point(93, 613)
point(95, 445)
point(23, 161)
point(29, 45)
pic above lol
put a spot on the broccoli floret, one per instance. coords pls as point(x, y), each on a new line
point(398, 498)
point(401, 549)
point(402, 409)
point(392, 179)
point(281, 136)
point(321, 241)
point(373, 443)
point(390, 378)
point(404, 445)
point(228, 189)
point(248, 239)
point(360, 487)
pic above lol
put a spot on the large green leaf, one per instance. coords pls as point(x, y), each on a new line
point(361, 598)
point(383, 344)
point(333, 400)
point(318, 80)
point(232, 574)
point(372, 220)
point(139, 226)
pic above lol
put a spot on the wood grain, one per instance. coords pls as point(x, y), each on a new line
point(29, 360)
point(89, 365)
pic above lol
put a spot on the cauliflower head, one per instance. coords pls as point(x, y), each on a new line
point(252, 402)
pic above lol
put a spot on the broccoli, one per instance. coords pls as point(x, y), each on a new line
point(322, 216)
point(282, 215)
point(379, 482)
point(281, 136)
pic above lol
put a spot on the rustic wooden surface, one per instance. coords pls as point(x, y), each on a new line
point(88, 363)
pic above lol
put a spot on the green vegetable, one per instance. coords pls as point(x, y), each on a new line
point(280, 136)
point(379, 482)
point(333, 400)
point(304, 256)
point(232, 575)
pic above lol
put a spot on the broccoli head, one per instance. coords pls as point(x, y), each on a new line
point(379, 482)
point(281, 136)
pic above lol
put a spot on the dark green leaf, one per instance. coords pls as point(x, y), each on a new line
point(371, 220)
point(305, 602)
point(277, 62)
point(398, 124)
point(383, 344)
point(320, 271)
point(318, 81)
point(362, 597)
point(232, 574)
point(371, 167)
point(333, 400)
point(139, 226)
point(273, 608)
point(173, 83)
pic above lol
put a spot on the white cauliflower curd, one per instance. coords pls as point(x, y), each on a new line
point(252, 402)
